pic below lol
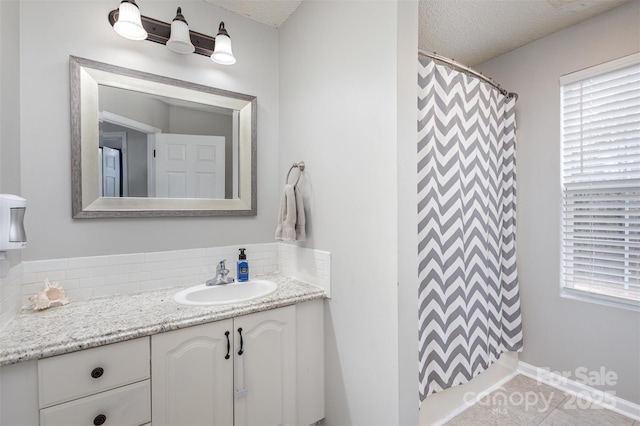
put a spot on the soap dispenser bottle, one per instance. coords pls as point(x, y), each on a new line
point(243, 266)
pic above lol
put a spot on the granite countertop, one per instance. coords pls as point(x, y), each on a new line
point(100, 321)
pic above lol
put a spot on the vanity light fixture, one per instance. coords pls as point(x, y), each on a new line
point(222, 53)
point(129, 24)
point(180, 41)
point(127, 21)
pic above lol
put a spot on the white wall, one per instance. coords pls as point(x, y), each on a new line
point(46, 44)
point(10, 269)
point(339, 94)
point(2, 83)
point(563, 334)
point(407, 116)
point(10, 97)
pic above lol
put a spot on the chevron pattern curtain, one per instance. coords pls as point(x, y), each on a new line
point(469, 305)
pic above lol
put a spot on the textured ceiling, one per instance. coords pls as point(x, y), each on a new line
point(473, 31)
point(469, 31)
point(270, 12)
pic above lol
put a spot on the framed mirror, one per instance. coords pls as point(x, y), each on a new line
point(144, 145)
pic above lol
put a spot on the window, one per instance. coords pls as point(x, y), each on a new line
point(600, 124)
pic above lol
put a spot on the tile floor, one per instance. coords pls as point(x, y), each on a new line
point(524, 401)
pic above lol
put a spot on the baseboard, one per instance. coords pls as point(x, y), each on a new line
point(572, 387)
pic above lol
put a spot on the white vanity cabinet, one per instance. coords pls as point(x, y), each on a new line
point(104, 385)
point(192, 375)
point(273, 375)
point(240, 371)
point(265, 368)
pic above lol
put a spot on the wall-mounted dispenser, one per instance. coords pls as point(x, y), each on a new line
point(12, 234)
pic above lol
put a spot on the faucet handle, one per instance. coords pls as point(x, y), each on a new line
point(222, 265)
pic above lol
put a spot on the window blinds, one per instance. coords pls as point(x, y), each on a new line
point(600, 116)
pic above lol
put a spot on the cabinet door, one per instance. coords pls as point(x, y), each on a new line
point(265, 368)
point(191, 376)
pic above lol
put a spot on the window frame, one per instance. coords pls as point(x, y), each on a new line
point(570, 292)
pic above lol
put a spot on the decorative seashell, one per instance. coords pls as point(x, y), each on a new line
point(52, 295)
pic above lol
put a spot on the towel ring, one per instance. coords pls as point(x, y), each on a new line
point(300, 166)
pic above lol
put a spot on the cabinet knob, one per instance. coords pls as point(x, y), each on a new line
point(96, 373)
point(99, 420)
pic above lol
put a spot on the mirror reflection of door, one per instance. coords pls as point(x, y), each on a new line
point(192, 156)
point(116, 140)
point(111, 172)
point(132, 139)
point(145, 116)
point(189, 166)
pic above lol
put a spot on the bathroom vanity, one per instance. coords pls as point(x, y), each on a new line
point(143, 358)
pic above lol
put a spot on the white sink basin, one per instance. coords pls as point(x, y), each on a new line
point(226, 294)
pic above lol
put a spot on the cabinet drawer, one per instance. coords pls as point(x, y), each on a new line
point(74, 375)
point(126, 406)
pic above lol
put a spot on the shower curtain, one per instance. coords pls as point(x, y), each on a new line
point(469, 305)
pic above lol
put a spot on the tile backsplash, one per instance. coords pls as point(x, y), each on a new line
point(10, 293)
point(309, 265)
point(85, 277)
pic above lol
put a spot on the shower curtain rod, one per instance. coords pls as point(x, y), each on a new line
point(466, 69)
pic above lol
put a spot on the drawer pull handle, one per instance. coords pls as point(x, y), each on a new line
point(241, 351)
point(96, 373)
point(227, 356)
point(99, 420)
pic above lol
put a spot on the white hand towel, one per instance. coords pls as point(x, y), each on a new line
point(301, 234)
point(291, 221)
point(286, 230)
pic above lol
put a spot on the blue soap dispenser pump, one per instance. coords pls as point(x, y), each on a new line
point(243, 266)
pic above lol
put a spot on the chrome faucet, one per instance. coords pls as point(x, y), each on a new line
point(222, 275)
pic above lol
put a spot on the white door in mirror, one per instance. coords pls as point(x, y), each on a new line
point(189, 166)
point(204, 295)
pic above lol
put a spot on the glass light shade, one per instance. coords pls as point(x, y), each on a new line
point(129, 24)
point(222, 53)
point(180, 41)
